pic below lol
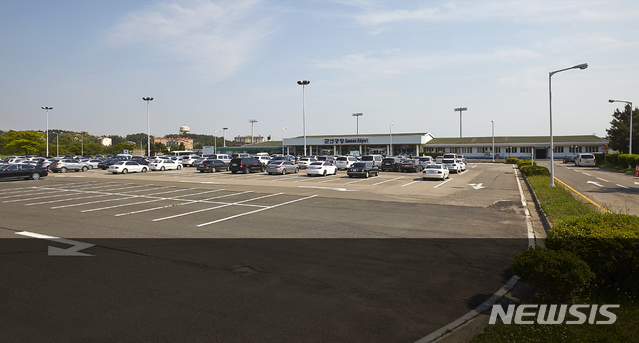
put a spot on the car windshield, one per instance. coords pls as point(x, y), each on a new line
point(120, 162)
point(341, 158)
point(317, 163)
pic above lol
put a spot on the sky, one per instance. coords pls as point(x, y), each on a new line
point(215, 64)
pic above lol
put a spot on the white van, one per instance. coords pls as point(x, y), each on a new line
point(376, 159)
point(222, 157)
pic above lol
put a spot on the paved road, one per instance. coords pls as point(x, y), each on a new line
point(222, 257)
point(615, 191)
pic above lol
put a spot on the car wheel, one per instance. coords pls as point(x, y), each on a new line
point(213, 170)
point(350, 176)
point(297, 170)
point(144, 170)
point(35, 176)
point(124, 171)
point(233, 171)
point(284, 171)
point(162, 168)
point(84, 169)
point(179, 167)
point(246, 171)
point(377, 173)
point(335, 172)
point(63, 170)
point(424, 179)
point(324, 173)
point(366, 175)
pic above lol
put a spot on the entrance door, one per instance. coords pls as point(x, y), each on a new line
point(541, 153)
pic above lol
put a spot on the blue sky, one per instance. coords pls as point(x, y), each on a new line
point(214, 64)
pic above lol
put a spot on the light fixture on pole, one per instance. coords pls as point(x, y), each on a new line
point(215, 141)
point(252, 121)
point(46, 108)
point(358, 115)
point(460, 109)
point(304, 84)
point(224, 135)
point(629, 103)
point(552, 144)
point(148, 126)
point(391, 140)
point(493, 124)
point(284, 128)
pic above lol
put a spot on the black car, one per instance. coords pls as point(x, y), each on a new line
point(246, 165)
point(391, 164)
point(104, 165)
point(140, 160)
point(23, 171)
point(411, 166)
point(212, 166)
point(364, 169)
point(569, 158)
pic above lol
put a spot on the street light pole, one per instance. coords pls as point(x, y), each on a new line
point(304, 84)
point(252, 121)
point(552, 144)
point(493, 125)
point(57, 145)
point(46, 108)
point(358, 115)
point(629, 103)
point(284, 128)
point(224, 135)
point(148, 126)
point(215, 141)
point(391, 140)
point(460, 109)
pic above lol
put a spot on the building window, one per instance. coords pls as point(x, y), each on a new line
point(429, 149)
point(483, 150)
point(574, 149)
point(440, 149)
point(592, 149)
point(558, 149)
point(510, 150)
point(467, 150)
point(524, 149)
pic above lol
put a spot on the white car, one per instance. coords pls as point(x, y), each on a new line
point(124, 167)
point(585, 160)
point(426, 160)
point(321, 168)
point(462, 164)
point(305, 161)
point(345, 162)
point(435, 171)
point(164, 165)
point(452, 164)
point(189, 161)
point(263, 159)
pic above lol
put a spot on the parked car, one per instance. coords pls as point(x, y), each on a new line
point(435, 171)
point(462, 164)
point(585, 160)
point(212, 166)
point(304, 162)
point(246, 165)
point(282, 167)
point(224, 157)
point(411, 166)
point(321, 168)
point(65, 165)
point(391, 164)
point(93, 164)
point(327, 158)
point(22, 171)
point(364, 169)
point(452, 165)
point(376, 159)
point(162, 165)
point(345, 162)
point(189, 160)
point(104, 165)
point(569, 158)
point(426, 160)
point(439, 159)
point(263, 159)
point(123, 167)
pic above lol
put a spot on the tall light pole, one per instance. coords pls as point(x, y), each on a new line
point(358, 115)
point(391, 140)
point(460, 109)
point(284, 128)
point(252, 121)
point(630, 103)
point(82, 145)
point(493, 125)
point(215, 141)
point(304, 83)
point(148, 126)
point(552, 144)
point(224, 135)
point(57, 145)
point(46, 108)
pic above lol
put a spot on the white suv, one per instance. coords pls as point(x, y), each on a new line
point(345, 162)
point(189, 160)
point(585, 160)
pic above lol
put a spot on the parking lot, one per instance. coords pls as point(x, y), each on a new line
point(227, 257)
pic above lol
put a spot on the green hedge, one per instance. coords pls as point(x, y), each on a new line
point(559, 274)
point(512, 160)
point(608, 243)
point(534, 170)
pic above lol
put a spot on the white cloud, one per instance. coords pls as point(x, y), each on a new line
point(215, 39)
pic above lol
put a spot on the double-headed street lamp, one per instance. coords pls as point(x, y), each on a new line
point(358, 115)
point(304, 83)
point(629, 103)
point(252, 121)
point(148, 126)
point(460, 109)
point(46, 108)
point(552, 145)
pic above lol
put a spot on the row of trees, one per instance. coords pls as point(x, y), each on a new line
point(76, 143)
point(619, 132)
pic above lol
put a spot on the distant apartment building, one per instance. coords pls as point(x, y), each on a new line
point(106, 141)
point(243, 140)
point(169, 142)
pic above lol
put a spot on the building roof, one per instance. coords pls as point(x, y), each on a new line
point(517, 140)
point(366, 135)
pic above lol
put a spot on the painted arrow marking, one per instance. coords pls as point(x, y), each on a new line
point(54, 251)
point(476, 185)
point(595, 183)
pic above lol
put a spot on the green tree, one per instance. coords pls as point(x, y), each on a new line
point(619, 132)
point(158, 148)
point(27, 142)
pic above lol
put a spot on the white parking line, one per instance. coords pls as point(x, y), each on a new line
point(92, 202)
point(127, 204)
point(410, 183)
point(587, 174)
point(379, 183)
point(214, 208)
point(622, 186)
point(449, 179)
point(155, 208)
point(604, 180)
point(251, 212)
point(360, 180)
point(61, 200)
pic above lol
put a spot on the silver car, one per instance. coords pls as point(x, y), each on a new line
point(282, 167)
point(65, 165)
